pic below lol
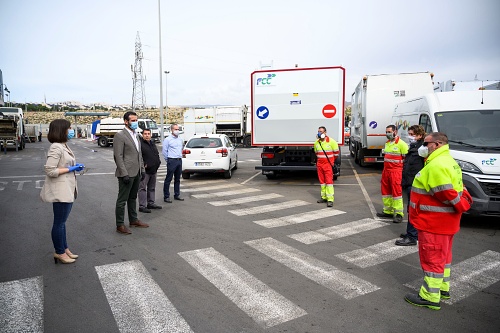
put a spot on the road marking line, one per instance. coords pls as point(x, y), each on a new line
point(21, 305)
point(365, 193)
point(470, 276)
point(377, 254)
point(245, 199)
point(338, 231)
point(345, 284)
point(225, 193)
point(203, 182)
point(249, 179)
point(263, 304)
point(298, 218)
point(268, 208)
point(209, 188)
point(137, 302)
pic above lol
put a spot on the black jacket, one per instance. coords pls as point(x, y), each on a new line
point(413, 163)
point(150, 156)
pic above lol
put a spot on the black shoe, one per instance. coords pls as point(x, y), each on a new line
point(144, 210)
point(329, 204)
point(385, 215)
point(397, 219)
point(179, 198)
point(167, 200)
point(445, 294)
point(403, 235)
point(406, 242)
point(154, 206)
point(419, 301)
point(321, 201)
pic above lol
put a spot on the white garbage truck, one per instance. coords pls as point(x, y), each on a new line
point(288, 106)
point(372, 106)
point(471, 120)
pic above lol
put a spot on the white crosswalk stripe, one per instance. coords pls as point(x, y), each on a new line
point(338, 231)
point(268, 208)
point(345, 284)
point(21, 305)
point(470, 276)
point(142, 306)
point(210, 188)
point(264, 305)
point(224, 193)
point(377, 254)
point(298, 218)
point(245, 199)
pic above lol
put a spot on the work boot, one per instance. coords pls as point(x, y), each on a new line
point(397, 218)
point(406, 242)
point(385, 215)
point(329, 204)
point(321, 201)
point(419, 301)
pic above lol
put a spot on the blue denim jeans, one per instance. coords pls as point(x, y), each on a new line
point(61, 213)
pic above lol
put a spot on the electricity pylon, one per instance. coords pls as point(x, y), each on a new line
point(138, 92)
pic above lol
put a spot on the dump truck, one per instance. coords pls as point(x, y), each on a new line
point(373, 103)
point(287, 107)
point(12, 133)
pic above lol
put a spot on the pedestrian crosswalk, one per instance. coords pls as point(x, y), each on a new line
point(148, 309)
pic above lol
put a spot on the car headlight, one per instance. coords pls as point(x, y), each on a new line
point(467, 166)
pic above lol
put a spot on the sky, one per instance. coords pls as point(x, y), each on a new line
point(60, 50)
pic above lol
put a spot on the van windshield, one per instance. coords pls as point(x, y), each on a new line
point(150, 124)
point(470, 130)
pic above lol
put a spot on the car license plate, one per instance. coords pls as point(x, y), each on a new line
point(202, 163)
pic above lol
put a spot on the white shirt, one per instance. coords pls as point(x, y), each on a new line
point(134, 137)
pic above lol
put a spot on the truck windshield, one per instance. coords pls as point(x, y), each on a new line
point(470, 130)
point(150, 124)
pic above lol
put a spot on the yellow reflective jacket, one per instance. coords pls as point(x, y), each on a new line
point(438, 197)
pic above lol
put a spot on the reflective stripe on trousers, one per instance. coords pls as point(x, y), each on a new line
point(435, 253)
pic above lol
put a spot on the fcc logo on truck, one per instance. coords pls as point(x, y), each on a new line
point(266, 80)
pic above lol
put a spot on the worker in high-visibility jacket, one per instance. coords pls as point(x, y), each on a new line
point(437, 200)
point(392, 192)
point(327, 150)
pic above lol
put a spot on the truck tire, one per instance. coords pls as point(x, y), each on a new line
point(186, 175)
point(272, 176)
point(102, 141)
point(361, 157)
point(350, 150)
point(247, 141)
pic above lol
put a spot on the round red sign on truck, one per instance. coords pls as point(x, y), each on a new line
point(329, 111)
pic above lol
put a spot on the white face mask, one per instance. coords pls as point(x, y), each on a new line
point(423, 151)
point(412, 138)
point(176, 132)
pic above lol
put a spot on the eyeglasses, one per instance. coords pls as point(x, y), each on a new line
point(426, 143)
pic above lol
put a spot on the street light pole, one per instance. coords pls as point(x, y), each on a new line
point(161, 83)
point(166, 94)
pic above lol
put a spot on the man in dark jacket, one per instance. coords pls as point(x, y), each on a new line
point(152, 162)
point(413, 163)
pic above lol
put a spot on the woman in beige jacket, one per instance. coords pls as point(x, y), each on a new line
point(60, 185)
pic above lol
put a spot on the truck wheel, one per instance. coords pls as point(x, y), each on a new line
point(361, 158)
point(102, 141)
point(272, 176)
point(350, 150)
point(247, 141)
point(186, 175)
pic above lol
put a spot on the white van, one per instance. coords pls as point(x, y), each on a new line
point(471, 120)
